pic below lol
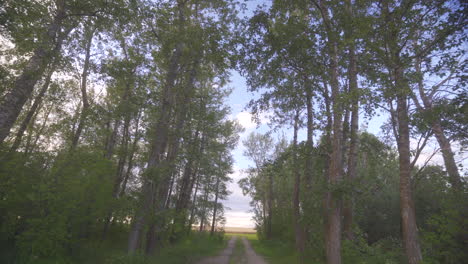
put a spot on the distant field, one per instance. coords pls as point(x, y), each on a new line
point(240, 230)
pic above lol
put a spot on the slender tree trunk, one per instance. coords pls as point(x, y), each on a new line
point(171, 189)
point(333, 231)
point(194, 202)
point(122, 159)
point(30, 147)
point(447, 154)
point(298, 229)
point(215, 209)
point(270, 206)
point(186, 187)
point(333, 223)
point(131, 157)
point(203, 214)
point(48, 48)
point(125, 139)
point(158, 146)
point(442, 140)
point(345, 136)
point(184, 191)
point(152, 236)
point(110, 143)
point(408, 215)
point(84, 94)
point(310, 139)
point(163, 191)
point(157, 149)
point(348, 211)
point(326, 149)
point(400, 123)
point(30, 129)
point(186, 184)
point(34, 108)
point(119, 173)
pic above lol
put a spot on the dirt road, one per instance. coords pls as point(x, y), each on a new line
point(249, 255)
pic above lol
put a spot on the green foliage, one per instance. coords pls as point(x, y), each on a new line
point(444, 237)
point(276, 251)
point(185, 251)
point(386, 251)
point(49, 212)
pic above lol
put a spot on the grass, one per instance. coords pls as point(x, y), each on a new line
point(184, 252)
point(275, 252)
point(114, 251)
point(249, 236)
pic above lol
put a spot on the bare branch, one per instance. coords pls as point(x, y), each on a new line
point(416, 179)
point(420, 147)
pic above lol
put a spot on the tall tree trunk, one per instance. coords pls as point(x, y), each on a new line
point(215, 209)
point(333, 231)
point(131, 157)
point(119, 173)
point(30, 129)
point(157, 149)
point(163, 190)
point(186, 184)
point(31, 146)
point(442, 140)
point(203, 214)
point(400, 124)
point(185, 191)
point(112, 139)
point(125, 137)
point(408, 215)
point(333, 223)
point(310, 138)
point(122, 158)
point(159, 142)
point(121, 185)
point(171, 189)
point(270, 206)
point(84, 93)
point(194, 202)
point(47, 50)
point(447, 154)
point(348, 211)
point(298, 230)
point(34, 108)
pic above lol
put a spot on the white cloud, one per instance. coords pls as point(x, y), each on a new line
point(239, 214)
point(246, 119)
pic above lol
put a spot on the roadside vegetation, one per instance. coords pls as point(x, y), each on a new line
point(115, 138)
point(112, 251)
point(330, 190)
